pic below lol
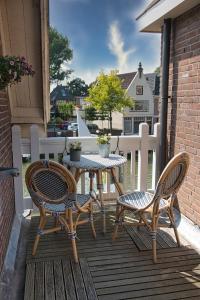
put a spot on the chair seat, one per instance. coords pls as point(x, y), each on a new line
point(60, 208)
point(139, 200)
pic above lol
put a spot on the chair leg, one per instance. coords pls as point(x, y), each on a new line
point(171, 217)
point(153, 236)
point(117, 221)
point(72, 236)
point(92, 221)
point(40, 228)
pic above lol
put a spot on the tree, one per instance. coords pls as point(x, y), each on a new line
point(157, 70)
point(78, 87)
point(90, 113)
point(107, 95)
point(59, 54)
point(65, 109)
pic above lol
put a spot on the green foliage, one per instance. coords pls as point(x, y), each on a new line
point(65, 109)
point(90, 113)
point(59, 53)
point(57, 120)
point(157, 70)
point(78, 87)
point(107, 95)
point(75, 146)
point(103, 139)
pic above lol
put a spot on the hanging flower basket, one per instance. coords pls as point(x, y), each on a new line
point(12, 68)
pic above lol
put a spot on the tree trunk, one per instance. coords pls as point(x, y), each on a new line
point(110, 119)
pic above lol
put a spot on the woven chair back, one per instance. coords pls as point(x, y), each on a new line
point(48, 181)
point(172, 176)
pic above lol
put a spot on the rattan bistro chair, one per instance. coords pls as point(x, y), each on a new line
point(53, 190)
point(148, 207)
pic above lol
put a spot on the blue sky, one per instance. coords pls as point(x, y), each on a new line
point(104, 36)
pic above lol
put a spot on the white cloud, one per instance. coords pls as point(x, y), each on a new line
point(116, 46)
point(89, 75)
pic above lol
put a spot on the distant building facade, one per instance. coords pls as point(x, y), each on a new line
point(144, 90)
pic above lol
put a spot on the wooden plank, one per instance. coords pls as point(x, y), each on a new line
point(137, 260)
point(29, 282)
point(68, 280)
point(151, 292)
point(191, 294)
point(89, 286)
point(59, 283)
point(145, 279)
point(146, 267)
point(39, 280)
point(78, 280)
point(49, 281)
point(146, 273)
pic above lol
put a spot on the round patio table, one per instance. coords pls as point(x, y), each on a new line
point(95, 165)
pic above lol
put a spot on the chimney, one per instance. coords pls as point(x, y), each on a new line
point(140, 70)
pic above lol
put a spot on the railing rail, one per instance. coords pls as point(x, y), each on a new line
point(52, 148)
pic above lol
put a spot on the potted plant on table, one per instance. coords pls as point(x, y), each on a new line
point(75, 151)
point(103, 140)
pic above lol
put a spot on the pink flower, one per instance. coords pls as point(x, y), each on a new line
point(12, 63)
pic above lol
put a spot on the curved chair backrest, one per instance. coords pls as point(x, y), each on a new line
point(48, 181)
point(172, 176)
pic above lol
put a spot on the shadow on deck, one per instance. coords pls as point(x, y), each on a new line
point(111, 270)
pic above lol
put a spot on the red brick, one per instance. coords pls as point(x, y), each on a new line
point(7, 207)
point(184, 123)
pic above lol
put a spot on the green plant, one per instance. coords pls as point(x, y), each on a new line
point(107, 95)
point(12, 68)
point(75, 146)
point(103, 139)
point(60, 53)
point(58, 120)
point(65, 109)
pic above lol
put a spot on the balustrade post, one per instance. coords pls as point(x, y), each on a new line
point(17, 163)
point(35, 146)
point(35, 149)
point(143, 157)
point(156, 153)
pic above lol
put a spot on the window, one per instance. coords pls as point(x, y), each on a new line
point(141, 106)
point(137, 121)
point(127, 125)
point(139, 89)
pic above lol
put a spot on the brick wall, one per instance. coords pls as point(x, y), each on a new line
point(6, 184)
point(184, 106)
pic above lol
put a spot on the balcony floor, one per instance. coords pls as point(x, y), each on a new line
point(111, 270)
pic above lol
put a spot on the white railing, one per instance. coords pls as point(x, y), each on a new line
point(53, 147)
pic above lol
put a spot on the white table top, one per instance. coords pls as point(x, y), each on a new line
point(95, 161)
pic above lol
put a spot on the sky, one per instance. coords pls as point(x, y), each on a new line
point(104, 36)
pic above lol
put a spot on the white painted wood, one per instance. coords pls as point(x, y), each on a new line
point(134, 184)
point(153, 19)
point(143, 157)
point(17, 163)
point(156, 152)
point(35, 143)
point(128, 144)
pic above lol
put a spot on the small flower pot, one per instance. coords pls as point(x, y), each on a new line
point(104, 150)
point(75, 155)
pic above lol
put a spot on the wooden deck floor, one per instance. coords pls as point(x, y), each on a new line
point(111, 270)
